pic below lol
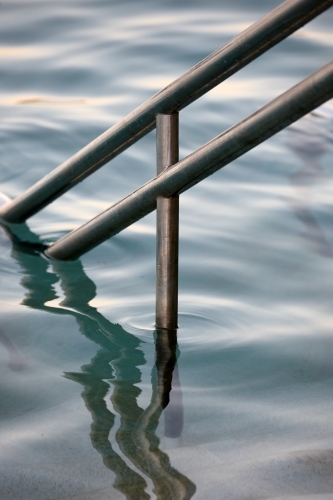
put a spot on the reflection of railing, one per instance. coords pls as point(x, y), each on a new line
point(162, 111)
point(115, 364)
point(136, 435)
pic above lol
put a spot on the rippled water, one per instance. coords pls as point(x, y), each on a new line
point(250, 412)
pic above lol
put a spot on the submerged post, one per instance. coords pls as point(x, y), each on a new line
point(167, 230)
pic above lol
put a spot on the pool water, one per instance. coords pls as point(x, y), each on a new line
point(85, 379)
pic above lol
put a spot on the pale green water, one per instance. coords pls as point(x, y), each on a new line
point(79, 418)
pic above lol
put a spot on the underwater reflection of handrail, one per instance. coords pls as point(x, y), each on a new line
point(116, 363)
point(136, 435)
point(214, 69)
point(225, 148)
point(92, 378)
point(169, 483)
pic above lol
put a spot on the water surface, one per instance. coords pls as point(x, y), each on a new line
point(83, 393)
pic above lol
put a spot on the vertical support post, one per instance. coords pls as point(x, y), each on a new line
point(167, 149)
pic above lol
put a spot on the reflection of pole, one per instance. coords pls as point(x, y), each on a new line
point(166, 345)
point(167, 227)
point(168, 482)
point(168, 384)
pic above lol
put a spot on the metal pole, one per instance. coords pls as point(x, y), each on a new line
point(214, 69)
point(167, 227)
point(221, 151)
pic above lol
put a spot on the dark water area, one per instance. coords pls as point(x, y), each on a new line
point(96, 404)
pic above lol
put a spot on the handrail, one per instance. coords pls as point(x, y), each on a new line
point(217, 67)
point(279, 113)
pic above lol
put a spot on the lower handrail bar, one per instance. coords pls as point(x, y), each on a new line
point(214, 69)
point(267, 121)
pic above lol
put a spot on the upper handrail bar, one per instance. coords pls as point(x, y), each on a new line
point(217, 67)
point(225, 148)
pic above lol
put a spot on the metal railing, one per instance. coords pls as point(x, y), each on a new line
point(214, 155)
point(173, 176)
point(216, 68)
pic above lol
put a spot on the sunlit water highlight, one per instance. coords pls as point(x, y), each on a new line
point(250, 413)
